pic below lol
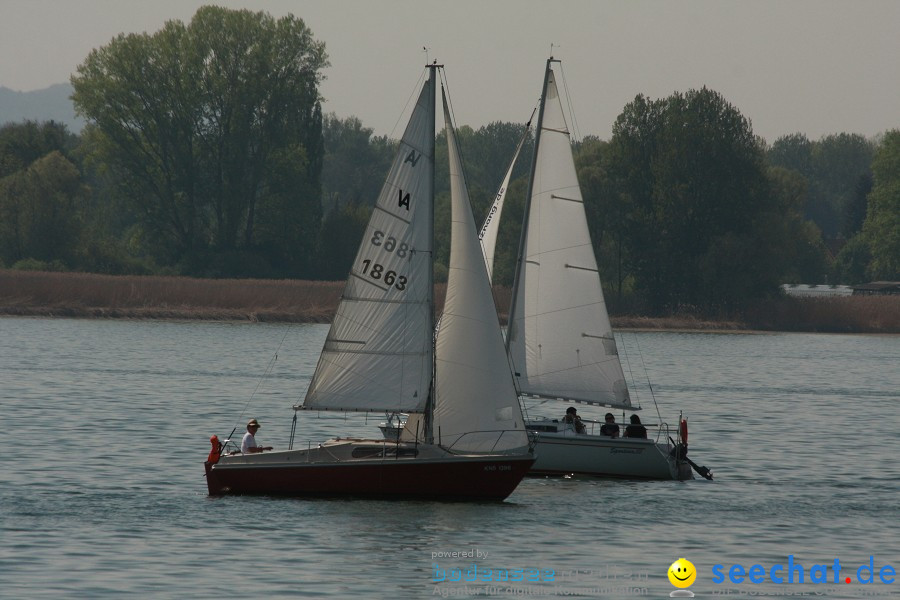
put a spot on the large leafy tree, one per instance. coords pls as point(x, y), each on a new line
point(802, 255)
point(836, 168)
point(201, 122)
point(882, 225)
point(355, 163)
point(23, 143)
point(840, 165)
point(41, 211)
point(699, 205)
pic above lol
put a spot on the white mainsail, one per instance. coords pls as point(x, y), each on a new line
point(475, 398)
point(560, 339)
point(378, 354)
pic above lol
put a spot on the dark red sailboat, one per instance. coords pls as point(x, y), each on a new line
point(465, 438)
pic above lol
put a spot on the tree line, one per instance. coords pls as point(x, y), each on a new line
point(207, 154)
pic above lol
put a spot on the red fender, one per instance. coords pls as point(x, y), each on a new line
point(684, 431)
point(216, 451)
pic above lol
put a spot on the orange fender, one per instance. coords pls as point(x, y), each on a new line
point(684, 431)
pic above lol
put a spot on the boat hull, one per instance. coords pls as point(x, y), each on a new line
point(601, 456)
point(332, 470)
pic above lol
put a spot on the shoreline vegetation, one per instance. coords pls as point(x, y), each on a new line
point(85, 295)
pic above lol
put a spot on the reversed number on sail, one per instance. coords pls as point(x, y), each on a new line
point(390, 244)
point(376, 271)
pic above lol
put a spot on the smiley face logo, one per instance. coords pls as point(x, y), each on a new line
point(682, 573)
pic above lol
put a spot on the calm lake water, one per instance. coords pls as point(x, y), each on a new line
point(107, 425)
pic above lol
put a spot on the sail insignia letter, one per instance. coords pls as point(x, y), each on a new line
point(403, 200)
point(412, 158)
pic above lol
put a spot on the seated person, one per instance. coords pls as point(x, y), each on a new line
point(610, 428)
point(635, 430)
point(573, 419)
point(248, 443)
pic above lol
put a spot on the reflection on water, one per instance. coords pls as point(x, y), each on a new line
point(107, 424)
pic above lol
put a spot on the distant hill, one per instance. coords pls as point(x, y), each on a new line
point(52, 103)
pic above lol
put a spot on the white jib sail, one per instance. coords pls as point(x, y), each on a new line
point(561, 342)
point(476, 405)
point(491, 226)
point(378, 353)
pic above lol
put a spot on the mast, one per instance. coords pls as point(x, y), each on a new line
point(429, 405)
point(510, 324)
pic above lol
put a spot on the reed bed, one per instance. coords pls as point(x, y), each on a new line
point(90, 295)
point(35, 293)
point(39, 293)
point(847, 314)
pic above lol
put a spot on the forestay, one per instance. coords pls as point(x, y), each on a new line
point(560, 341)
point(476, 404)
point(378, 353)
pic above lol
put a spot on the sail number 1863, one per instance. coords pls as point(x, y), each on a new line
point(376, 271)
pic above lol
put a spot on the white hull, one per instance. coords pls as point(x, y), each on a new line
point(565, 452)
point(560, 451)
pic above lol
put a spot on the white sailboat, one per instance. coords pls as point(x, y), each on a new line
point(465, 438)
point(560, 340)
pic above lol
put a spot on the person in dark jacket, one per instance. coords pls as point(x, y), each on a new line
point(635, 430)
point(610, 428)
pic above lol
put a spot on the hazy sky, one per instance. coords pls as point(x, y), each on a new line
point(813, 66)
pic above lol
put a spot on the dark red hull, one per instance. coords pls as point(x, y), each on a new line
point(470, 478)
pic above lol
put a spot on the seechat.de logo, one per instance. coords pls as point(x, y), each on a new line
point(793, 571)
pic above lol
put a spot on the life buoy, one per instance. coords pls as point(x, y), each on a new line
point(216, 451)
point(684, 431)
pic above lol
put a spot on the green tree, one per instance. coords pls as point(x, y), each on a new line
point(851, 263)
point(882, 225)
point(195, 119)
point(835, 167)
point(40, 211)
point(855, 211)
point(355, 163)
point(839, 164)
point(342, 229)
point(802, 255)
point(793, 152)
point(691, 174)
point(290, 213)
point(23, 143)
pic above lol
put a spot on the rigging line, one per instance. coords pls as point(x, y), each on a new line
point(575, 129)
point(445, 82)
point(630, 371)
point(416, 87)
point(261, 379)
point(646, 374)
point(557, 310)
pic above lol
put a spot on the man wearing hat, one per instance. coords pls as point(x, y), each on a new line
point(248, 444)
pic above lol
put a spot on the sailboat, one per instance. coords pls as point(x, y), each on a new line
point(559, 337)
point(465, 438)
